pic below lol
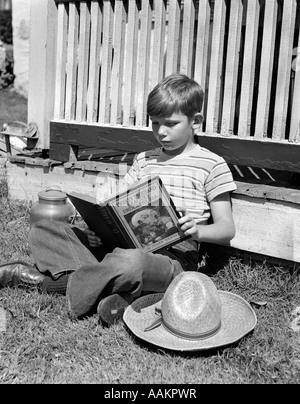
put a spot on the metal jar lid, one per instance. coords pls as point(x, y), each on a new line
point(52, 194)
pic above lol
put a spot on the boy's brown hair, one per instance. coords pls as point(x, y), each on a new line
point(176, 93)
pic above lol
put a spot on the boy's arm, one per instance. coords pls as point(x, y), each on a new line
point(222, 229)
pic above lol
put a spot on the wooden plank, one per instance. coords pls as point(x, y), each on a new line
point(61, 62)
point(105, 79)
point(112, 137)
point(202, 46)
point(294, 135)
point(232, 63)
point(284, 69)
point(214, 88)
point(118, 63)
point(143, 64)
point(283, 194)
point(270, 192)
point(158, 47)
point(254, 190)
point(72, 62)
point(254, 153)
point(172, 36)
point(266, 68)
point(59, 151)
point(249, 60)
point(94, 62)
point(84, 42)
point(38, 178)
point(130, 64)
point(89, 166)
point(43, 23)
point(187, 39)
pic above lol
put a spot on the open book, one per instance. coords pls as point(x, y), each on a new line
point(143, 216)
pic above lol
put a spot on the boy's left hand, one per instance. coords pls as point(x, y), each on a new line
point(94, 241)
point(187, 224)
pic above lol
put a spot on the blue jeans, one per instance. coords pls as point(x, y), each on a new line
point(95, 273)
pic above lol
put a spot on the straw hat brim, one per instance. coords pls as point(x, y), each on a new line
point(238, 319)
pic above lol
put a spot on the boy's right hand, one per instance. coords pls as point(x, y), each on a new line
point(94, 241)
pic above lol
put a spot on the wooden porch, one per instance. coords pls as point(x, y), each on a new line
point(92, 64)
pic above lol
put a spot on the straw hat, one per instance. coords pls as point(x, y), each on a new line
point(191, 315)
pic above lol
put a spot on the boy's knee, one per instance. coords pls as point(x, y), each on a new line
point(37, 228)
point(153, 272)
point(46, 225)
point(133, 260)
point(42, 229)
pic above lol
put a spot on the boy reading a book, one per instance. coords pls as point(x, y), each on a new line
point(199, 183)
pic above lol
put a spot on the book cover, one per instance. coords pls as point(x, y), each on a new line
point(143, 216)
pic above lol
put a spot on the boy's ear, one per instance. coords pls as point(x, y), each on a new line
point(198, 118)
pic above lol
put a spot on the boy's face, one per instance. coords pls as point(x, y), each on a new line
point(174, 133)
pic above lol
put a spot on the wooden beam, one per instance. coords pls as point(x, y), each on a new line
point(282, 155)
point(111, 137)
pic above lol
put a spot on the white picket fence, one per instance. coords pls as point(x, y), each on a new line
point(106, 55)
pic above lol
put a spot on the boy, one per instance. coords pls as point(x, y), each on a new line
point(199, 183)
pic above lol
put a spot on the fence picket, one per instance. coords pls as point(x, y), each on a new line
point(284, 69)
point(72, 62)
point(94, 62)
point(202, 46)
point(214, 88)
point(158, 45)
point(84, 41)
point(61, 61)
point(118, 63)
point(294, 135)
point(232, 64)
point(130, 64)
point(143, 64)
point(187, 40)
point(246, 96)
point(105, 78)
point(173, 36)
point(266, 69)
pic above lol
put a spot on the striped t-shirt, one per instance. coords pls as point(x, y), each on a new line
point(193, 179)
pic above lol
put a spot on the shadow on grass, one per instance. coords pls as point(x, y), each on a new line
point(203, 353)
point(13, 106)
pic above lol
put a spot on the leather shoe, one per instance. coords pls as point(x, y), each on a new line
point(15, 273)
point(110, 309)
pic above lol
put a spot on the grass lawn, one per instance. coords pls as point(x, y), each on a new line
point(13, 107)
point(43, 344)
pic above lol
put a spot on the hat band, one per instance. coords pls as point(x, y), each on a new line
point(184, 335)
